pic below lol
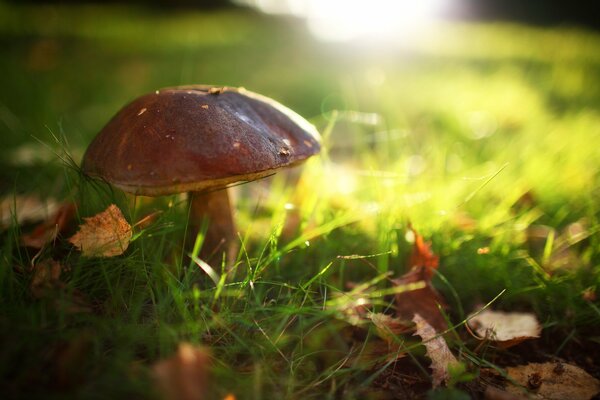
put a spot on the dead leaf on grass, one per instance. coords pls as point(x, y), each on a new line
point(423, 301)
point(494, 393)
point(104, 235)
point(46, 284)
point(25, 208)
point(48, 230)
point(185, 375)
point(46, 278)
point(388, 327)
point(506, 329)
point(372, 354)
point(441, 357)
point(421, 255)
point(552, 381)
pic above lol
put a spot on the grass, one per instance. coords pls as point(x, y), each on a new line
point(474, 134)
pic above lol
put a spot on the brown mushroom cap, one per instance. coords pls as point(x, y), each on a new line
point(195, 138)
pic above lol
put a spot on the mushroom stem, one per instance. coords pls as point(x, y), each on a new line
point(215, 208)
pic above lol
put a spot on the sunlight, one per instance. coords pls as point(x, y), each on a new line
point(343, 20)
point(340, 20)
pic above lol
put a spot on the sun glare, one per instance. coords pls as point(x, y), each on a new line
point(344, 20)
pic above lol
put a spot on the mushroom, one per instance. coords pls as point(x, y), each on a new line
point(199, 139)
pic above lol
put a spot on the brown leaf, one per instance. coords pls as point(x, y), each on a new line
point(553, 381)
point(503, 328)
point(389, 327)
point(46, 278)
point(437, 350)
point(104, 235)
point(184, 376)
point(48, 230)
point(494, 393)
point(371, 354)
point(422, 301)
point(46, 283)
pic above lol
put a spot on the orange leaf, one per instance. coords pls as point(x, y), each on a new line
point(422, 255)
point(104, 235)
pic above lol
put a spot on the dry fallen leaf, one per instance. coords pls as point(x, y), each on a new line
point(506, 329)
point(422, 301)
point(494, 393)
point(376, 351)
point(104, 235)
point(46, 278)
point(437, 350)
point(372, 354)
point(24, 209)
point(46, 283)
point(422, 255)
point(553, 381)
point(48, 230)
point(425, 301)
point(389, 327)
point(185, 375)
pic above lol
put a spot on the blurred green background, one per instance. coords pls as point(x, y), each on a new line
point(454, 97)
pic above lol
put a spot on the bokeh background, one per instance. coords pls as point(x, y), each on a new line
point(443, 90)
